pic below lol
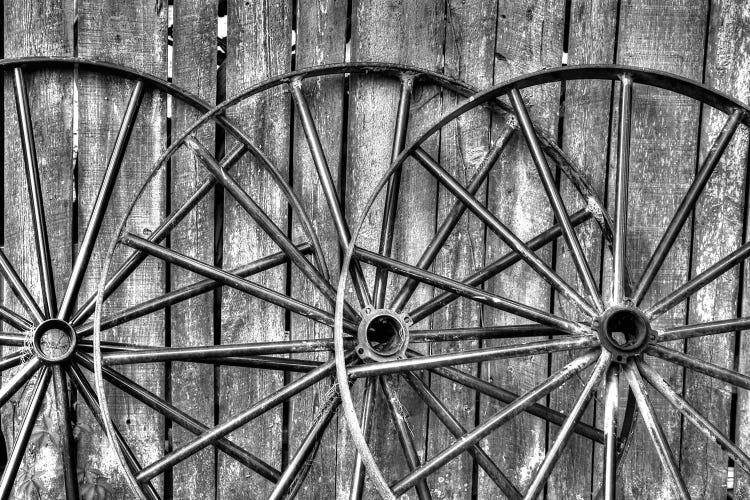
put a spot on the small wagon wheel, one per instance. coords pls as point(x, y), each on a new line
point(613, 330)
point(298, 86)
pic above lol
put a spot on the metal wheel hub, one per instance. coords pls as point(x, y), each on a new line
point(382, 335)
point(54, 341)
point(624, 331)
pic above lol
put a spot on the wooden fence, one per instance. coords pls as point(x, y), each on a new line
point(479, 41)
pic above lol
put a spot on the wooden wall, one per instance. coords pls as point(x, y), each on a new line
point(480, 41)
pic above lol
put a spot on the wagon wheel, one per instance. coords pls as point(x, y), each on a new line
point(296, 87)
point(616, 335)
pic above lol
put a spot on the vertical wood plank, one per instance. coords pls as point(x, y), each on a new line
point(258, 47)
point(31, 29)
point(321, 39)
point(469, 49)
point(194, 69)
point(585, 137)
point(410, 33)
point(133, 34)
point(529, 37)
point(668, 36)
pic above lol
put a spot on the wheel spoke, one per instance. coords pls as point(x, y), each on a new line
point(505, 234)
point(693, 415)
point(566, 431)
point(698, 282)
point(473, 356)
point(67, 443)
point(394, 186)
point(182, 419)
point(655, 430)
point(619, 274)
point(399, 419)
point(18, 379)
point(454, 427)
point(15, 320)
point(161, 232)
point(484, 333)
point(611, 405)
point(454, 216)
point(496, 267)
point(36, 197)
point(11, 360)
point(232, 280)
point(299, 466)
point(19, 289)
point(264, 222)
point(483, 430)
point(555, 199)
point(12, 339)
point(22, 440)
point(328, 186)
point(703, 329)
point(216, 433)
point(729, 376)
point(368, 407)
point(686, 205)
point(109, 179)
point(470, 292)
point(187, 292)
point(89, 397)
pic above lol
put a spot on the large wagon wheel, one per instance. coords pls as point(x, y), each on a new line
point(616, 334)
point(263, 355)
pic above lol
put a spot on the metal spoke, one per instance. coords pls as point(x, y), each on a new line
point(566, 431)
point(109, 179)
point(328, 186)
point(703, 329)
point(453, 217)
point(11, 360)
point(36, 197)
point(454, 427)
point(686, 205)
point(403, 430)
point(611, 406)
point(22, 440)
point(161, 232)
point(19, 289)
point(655, 430)
point(18, 379)
point(484, 333)
point(12, 339)
point(473, 356)
point(555, 199)
point(299, 466)
point(184, 293)
point(720, 373)
point(15, 320)
point(181, 418)
point(394, 186)
point(698, 282)
point(264, 222)
point(692, 414)
point(368, 407)
point(619, 274)
point(496, 267)
point(505, 234)
point(472, 293)
point(483, 430)
point(216, 433)
point(232, 280)
point(67, 443)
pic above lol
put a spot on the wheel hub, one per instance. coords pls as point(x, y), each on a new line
point(383, 335)
point(624, 331)
point(54, 341)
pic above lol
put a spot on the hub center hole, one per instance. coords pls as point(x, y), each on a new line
point(385, 335)
point(626, 328)
point(54, 340)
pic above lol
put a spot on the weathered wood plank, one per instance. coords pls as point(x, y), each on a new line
point(667, 36)
point(194, 35)
point(529, 37)
point(469, 49)
point(321, 39)
point(133, 34)
point(39, 29)
point(258, 47)
point(585, 137)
